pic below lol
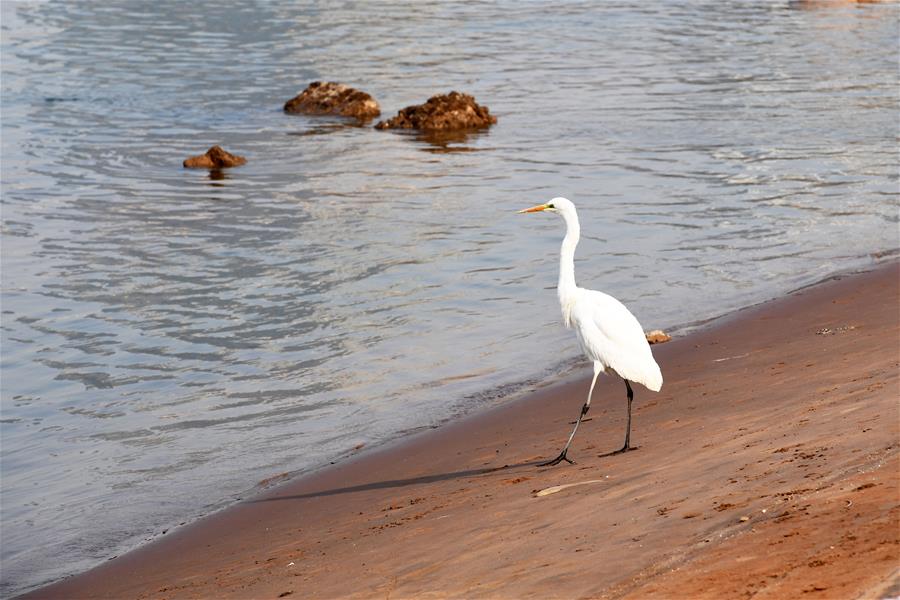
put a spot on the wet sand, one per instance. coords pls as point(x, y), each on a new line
point(767, 467)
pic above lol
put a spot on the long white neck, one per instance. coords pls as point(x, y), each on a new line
point(566, 287)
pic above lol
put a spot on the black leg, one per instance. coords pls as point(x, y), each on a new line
point(627, 446)
point(587, 405)
point(562, 455)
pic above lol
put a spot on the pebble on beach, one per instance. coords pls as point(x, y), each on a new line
point(215, 158)
point(442, 112)
point(657, 336)
point(330, 98)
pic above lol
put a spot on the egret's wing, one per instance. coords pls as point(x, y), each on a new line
point(618, 340)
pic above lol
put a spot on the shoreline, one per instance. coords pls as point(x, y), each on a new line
point(410, 482)
point(565, 370)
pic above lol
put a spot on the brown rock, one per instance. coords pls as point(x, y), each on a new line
point(215, 158)
point(657, 336)
point(442, 112)
point(330, 98)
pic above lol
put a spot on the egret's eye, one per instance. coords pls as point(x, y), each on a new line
point(550, 206)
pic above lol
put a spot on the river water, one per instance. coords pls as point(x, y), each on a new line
point(171, 337)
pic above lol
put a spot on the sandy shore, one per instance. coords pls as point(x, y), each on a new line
point(767, 466)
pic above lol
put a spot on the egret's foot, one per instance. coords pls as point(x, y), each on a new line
point(621, 450)
point(557, 460)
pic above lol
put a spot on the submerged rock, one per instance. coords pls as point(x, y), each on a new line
point(657, 336)
point(215, 158)
point(442, 112)
point(330, 98)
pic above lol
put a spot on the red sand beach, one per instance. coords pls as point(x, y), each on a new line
point(767, 467)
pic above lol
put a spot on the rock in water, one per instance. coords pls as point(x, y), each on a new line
point(330, 98)
point(215, 158)
point(443, 112)
point(657, 336)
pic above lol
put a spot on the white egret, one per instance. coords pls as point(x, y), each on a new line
point(609, 334)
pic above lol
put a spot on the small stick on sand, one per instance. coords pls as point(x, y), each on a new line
point(559, 488)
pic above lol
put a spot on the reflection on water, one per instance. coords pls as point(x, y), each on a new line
point(326, 125)
point(443, 142)
point(436, 141)
point(172, 336)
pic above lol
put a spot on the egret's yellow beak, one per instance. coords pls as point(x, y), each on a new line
point(537, 208)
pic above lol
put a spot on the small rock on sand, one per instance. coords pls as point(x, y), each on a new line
point(330, 98)
point(215, 158)
point(657, 336)
point(442, 112)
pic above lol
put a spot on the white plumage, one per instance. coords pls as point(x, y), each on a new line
point(609, 334)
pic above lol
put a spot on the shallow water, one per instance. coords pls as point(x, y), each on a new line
point(170, 337)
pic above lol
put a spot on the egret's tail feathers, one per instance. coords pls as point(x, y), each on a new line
point(653, 380)
point(650, 379)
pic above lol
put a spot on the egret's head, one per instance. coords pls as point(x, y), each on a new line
point(561, 206)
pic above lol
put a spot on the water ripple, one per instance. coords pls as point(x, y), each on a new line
point(171, 336)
